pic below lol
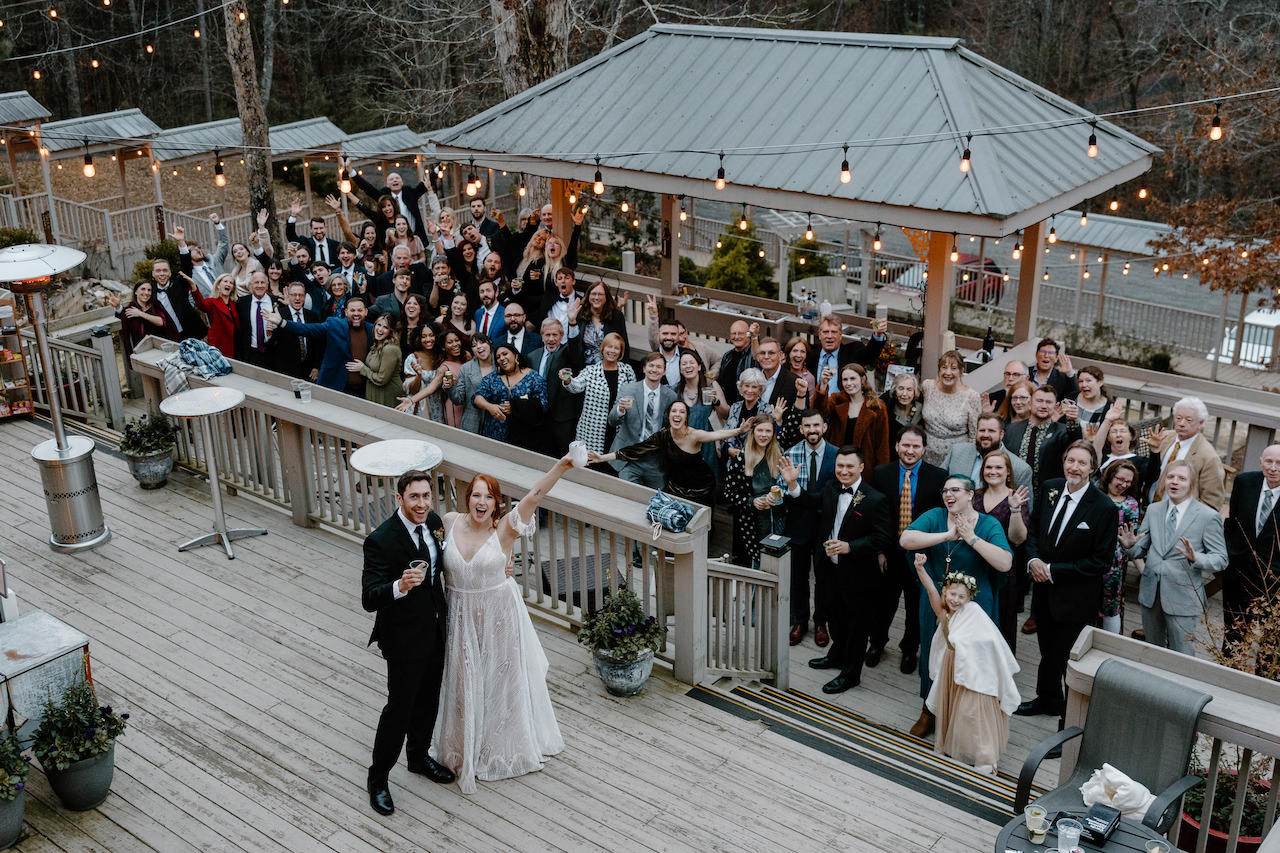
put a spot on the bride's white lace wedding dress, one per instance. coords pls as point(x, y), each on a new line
point(496, 719)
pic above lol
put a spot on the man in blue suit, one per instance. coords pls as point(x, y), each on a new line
point(490, 320)
point(814, 455)
point(346, 338)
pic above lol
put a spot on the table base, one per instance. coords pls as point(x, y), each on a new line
point(223, 537)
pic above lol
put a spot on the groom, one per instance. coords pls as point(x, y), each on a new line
point(410, 631)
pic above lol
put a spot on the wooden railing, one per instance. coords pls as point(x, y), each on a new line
point(1242, 718)
point(294, 456)
point(749, 619)
point(89, 378)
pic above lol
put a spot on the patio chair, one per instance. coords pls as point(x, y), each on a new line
point(1141, 724)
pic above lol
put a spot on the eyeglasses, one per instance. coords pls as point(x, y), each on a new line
point(1013, 373)
point(1020, 398)
point(953, 490)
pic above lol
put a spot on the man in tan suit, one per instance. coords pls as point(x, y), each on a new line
point(1185, 443)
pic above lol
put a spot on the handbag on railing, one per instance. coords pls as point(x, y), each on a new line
point(666, 511)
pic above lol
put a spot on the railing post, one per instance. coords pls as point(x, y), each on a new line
point(113, 397)
point(691, 612)
point(777, 561)
point(293, 464)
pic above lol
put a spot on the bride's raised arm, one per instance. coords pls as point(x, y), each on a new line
point(528, 505)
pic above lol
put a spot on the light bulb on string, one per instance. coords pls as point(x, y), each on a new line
point(742, 223)
point(635, 223)
point(964, 159)
point(762, 253)
point(344, 181)
point(1215, 129)
point(1086, 272)
point(94, 63)
point(683, 215)
point(1044, 277)
point(35, 75)
point(720, 173)
point(845, 175)
point(1053, 232)
point(955, 253)
point(242, 16)
point(150, 49)
point(1084, 219)
point(1142, 192)
point(1205, 261)
point(1093, 139)
point(1099, 258)
point(1164, 267)
point(523, 190)
point(1072, 256)
point(197, 32)
point(801, 260)
point(598, 186)
point(719, 244)
point(1244, 253)
point(473, 183)
point(808, 230)
point(1186, 275)
point(1125, 271)
point(843, 265)
point(573, 197)
point(1114, 205)
point(89, 170)
point(625, 207)
point(53, 13)
point(875, 243)
point(1006, 277)
point(199, 168)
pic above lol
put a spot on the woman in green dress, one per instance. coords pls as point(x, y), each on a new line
point(381, 365)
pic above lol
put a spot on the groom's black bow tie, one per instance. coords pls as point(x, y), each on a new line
point(847, 490)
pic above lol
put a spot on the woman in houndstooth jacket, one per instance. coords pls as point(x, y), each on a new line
point(600, 383)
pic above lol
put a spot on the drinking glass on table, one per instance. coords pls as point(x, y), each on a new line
point(1037, 822)
point(1155, 845)
point(1069, 834)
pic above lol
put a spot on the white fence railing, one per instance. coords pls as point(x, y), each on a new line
point(88, 379)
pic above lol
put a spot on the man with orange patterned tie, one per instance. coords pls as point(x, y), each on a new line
point(912, 487)
point(1184, 443)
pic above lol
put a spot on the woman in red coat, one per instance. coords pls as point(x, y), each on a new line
point(220, 308)
point(855, 415)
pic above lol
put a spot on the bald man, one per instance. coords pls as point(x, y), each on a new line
point(736, 360)
point(1253, 561)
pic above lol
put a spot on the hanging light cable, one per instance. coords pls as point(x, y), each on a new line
point(808, 231)
point(523, 190)
point(720, 173)
point(598, 186)
point(1053, 232)
point(684, 216)
point(220, 177)
point(1093, 139)
point(955, 253)
point(876, 244)
point(89, 170)
point(1215, 129)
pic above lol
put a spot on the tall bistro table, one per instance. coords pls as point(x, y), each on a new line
point(201, 404)
point(1129, 837)
point(385, 461)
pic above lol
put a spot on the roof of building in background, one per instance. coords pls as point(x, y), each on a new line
point(104, 131)
point(196, 141)
point(20, 108)
point(1112, 233)
point(375, 144)
point(658, 108)
point(312, 136)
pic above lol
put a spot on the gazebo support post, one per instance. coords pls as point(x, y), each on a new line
point(48, 187)
point(937, 299)
point(561, 214)
point(306, 184)
point(670, 268)
point(124, 186)
point(1102, 283)
point(155, 174)
point(1029, 273)
point(13, 163)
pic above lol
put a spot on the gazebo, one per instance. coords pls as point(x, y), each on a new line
point(121, 135)
point(780, 110)
point(20, 117)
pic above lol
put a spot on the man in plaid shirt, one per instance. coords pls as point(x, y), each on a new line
point(814, 456)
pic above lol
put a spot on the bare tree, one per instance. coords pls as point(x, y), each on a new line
point(253, 118)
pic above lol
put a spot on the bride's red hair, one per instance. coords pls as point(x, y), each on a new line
point(495, 492)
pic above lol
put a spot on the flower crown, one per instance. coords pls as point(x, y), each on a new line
point(969, 582)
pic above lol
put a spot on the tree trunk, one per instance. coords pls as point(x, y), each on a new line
point(204, 60)
point(269, 24)
point(253, 119)
point(70, 77)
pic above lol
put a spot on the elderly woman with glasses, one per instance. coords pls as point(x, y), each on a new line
point(956, 537)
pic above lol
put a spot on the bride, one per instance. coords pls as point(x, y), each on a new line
point(496, 719)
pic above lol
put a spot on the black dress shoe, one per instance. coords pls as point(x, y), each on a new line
point(908, 664)
point(823, 662)
point(873, 656)
point(1036, 708)
point(1056, 752)
point(380, 797)
point(841, 683)
point(433, 770)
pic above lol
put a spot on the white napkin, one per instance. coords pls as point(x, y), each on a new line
point(1112, 788)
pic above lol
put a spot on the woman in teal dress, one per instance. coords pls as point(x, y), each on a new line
point(956, 537)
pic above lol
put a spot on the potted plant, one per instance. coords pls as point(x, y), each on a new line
point(147, 445)
point(1252, 817)
point(14, 767)
point(622, 640)
point(76, 743)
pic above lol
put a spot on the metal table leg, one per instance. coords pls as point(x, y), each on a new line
point(220, 532)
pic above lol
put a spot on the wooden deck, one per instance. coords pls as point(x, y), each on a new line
point(254, 699)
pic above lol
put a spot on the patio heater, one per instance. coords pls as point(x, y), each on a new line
point(66, 464)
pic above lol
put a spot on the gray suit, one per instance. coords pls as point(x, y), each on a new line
point(630, 430)
point(962, 457)
point(1172, 590)
point(463, 394)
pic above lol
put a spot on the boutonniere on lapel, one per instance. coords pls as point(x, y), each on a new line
point(439, 534)
point(857, 499)
point(1053, 496)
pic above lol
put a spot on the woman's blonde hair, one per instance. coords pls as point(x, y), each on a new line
point(772, 454)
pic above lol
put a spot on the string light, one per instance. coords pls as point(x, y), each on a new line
point(53, 13)
point(473, 182)
point(955, 253)
point(89, 170)
point(242, 16)
point(1084, 218)
point(94, 63)
point(523, 190)
point(964, 159)
point(1215, 129)
point(802, 260)
point(197, 32)
point(683, 215)
point(1044, 277)
point(598, 186)
point(720, 173)
point(1142, 192)
point(1053, 232)
point(1093, 139)
point(220, 177)
point(1115, 204)
point(1072, 256)
point(808, 231)
point(718, 244)
point(625, 207)
point(876, 244)
point(845, 176)
point(635, 223)
point(1205, 261)
point(1086, 272)
point(35, 75)
point(1017, 247)
point(762, 253)
point(150, 49)
point(742, 223)
point(843, 265)
point(573, 196)
point(1244, 253)
point(1125, 271)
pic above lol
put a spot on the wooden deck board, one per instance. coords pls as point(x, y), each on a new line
point(254, 701)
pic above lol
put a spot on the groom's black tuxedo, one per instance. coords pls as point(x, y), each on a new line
point(410, 632)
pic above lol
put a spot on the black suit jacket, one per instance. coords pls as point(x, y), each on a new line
point(1048, 465)
point(244, 306)
point(309, 243)
point(193, 325)
point(412, 627)
point(1064, 384)
point(784, 388)
point(420, 282)
point(563, 405)
point(411, 193)
point(732, 363)
point(1080, 557)
point(868, 527)
point(285, 351)
point(927, 492)
point(1250, 555)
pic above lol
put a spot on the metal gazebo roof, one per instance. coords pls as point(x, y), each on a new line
point(310, 138)
point(660, 107)
point(105, 132)
point(19, 108)
point(382, 144)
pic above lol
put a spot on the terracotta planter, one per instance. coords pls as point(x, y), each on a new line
point(85, 784)
point(623, 678)
point(1217, 841)
point(151, 470)
point(11, 819)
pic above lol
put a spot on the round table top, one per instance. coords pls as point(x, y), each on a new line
point(394, 456)
point(199, 402)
